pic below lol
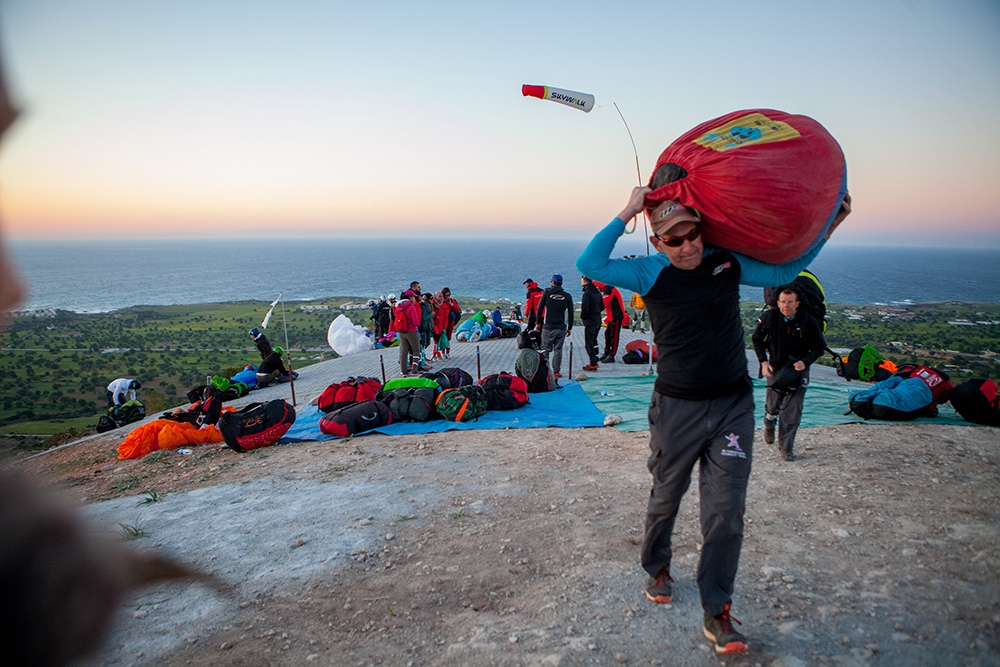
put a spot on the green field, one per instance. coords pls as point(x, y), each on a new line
point(55, 369)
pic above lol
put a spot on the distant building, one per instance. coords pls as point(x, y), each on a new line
point(313, 309)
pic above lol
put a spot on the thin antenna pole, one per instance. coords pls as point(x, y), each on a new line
point(288, 351)
point(638, 172)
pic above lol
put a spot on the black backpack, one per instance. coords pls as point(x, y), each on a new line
point(978, 401)
point(449, 378)
point(257, 425)
point(810, 292)
point(504, 391)
point(409, 404)
point(532, 367)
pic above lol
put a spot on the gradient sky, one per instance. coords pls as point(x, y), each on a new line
point(210, 118)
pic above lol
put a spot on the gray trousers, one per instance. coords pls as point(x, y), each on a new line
point(409, 349)
point(553, 336)
point(788, 409)
point(716, 434)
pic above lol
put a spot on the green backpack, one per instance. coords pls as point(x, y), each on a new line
point(462, 404)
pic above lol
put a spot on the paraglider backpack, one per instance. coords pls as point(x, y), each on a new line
point(937, 381)
point(119, 415)
point(257, 425)
point(504, 391)
point(350, 391)
point(866, 364)
point(532, 367)
point(356, 418)
point(449, 378)
point(462, 404)
point(810, 292)
point(978, 401)
point(409, 404)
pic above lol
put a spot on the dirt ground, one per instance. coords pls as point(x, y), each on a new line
point(878, 546)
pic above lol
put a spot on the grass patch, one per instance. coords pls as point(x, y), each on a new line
point(133, 531)
point(128, 484)
point(151, 497)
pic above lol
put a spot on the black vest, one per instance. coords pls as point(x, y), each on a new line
point(698, 331)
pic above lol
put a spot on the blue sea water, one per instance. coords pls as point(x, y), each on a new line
point(97, 276)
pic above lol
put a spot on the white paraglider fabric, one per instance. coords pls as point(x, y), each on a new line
point(346, 338)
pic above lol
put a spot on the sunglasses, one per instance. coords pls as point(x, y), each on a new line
point(678, 241)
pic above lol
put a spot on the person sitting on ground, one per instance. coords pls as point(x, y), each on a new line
point(271, 366)
point(122, 390)
point(787, 341)
point(591, 307)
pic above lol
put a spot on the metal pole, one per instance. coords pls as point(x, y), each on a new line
point(569, 371)
point(650, 371)
point(381, 361)
point(288, 351)
point(479, 366)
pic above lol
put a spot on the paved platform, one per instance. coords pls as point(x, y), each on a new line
point(478, 359)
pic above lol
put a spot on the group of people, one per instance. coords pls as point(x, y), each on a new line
point(550, 312)
point(422, 322)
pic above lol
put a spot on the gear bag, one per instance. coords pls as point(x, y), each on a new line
point(811, 296)
point(532, 367)
point(449, 378)
point(356, 418)
point(409, 404)
point(504, 391)
point(350, 391)
point(462, 404)
point(257, 425)
point(866, 364)
point(978, 401)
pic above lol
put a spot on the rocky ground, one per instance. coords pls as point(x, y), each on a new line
point(878, 546)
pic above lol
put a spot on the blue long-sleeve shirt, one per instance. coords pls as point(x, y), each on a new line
point(695, 313)
point(640, 274)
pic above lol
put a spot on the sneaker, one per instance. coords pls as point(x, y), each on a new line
point(788, 456)
point(719, 629)
point(609, 360)
point(658, 588)
point(590, 368)
point(768, 431)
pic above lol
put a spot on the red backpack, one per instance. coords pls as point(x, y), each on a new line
point(504, 391)
point(939, 383)
point(352, 390)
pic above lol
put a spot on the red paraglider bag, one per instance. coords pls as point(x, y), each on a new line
point(766, 183)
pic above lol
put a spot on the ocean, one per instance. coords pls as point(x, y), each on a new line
point(99, 276)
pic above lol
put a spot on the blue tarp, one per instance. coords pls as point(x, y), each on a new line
point(825, 403)
point(568, 407)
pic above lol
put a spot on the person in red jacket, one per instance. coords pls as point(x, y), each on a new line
point(614, 309)
point(446, 315)
point(531, 301)
point(406, 323)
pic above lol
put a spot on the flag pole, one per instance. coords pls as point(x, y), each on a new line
point(288, 351)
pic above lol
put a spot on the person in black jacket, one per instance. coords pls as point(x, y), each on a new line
point(591, 308)
point(787, 341)
point(271, 366)
point(555, 322)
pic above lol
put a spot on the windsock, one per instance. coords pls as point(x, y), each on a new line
point(582, 101)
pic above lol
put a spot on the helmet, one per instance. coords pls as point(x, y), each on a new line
point(135, 384)
point(278, 351)
point(382, 298)
point(371, 302)
point(392, 297)
point(254, 332)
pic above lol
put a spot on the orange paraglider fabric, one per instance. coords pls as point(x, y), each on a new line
point(165, 434)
